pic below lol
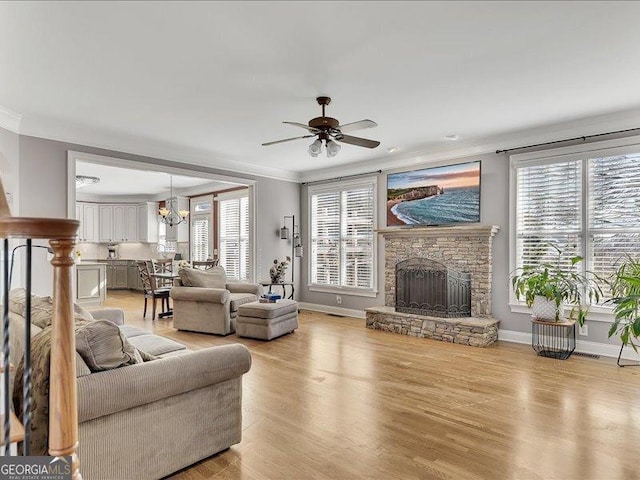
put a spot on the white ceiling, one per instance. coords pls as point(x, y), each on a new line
point(119, 181)
point(207, 82)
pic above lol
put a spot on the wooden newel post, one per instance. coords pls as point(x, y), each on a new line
point(63, 406)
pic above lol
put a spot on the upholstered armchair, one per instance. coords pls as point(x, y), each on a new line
point(203, 301)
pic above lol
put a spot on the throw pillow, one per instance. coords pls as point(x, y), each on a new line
point(103, 347)
point(212, 278)
point(41, 308)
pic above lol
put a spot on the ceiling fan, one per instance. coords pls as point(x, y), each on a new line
point(330, 130)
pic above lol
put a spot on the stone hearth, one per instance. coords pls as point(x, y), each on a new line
point(477, 332)
point(466, 248)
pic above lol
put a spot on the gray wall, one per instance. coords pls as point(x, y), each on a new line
point(494, 211)
point(43, 193)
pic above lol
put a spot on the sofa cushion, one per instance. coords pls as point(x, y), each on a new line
point(238, 299)
point(212, 278)
point(156, 345)
point(103, 347)
point(130, 331)
point(268, 310)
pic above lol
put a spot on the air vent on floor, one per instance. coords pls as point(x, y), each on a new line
point(588, 355)
point(335, 315)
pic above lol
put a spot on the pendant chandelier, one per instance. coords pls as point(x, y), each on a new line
point(171, 216)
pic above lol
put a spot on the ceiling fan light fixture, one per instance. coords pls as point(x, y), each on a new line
point(315, 148)
point(333, 148)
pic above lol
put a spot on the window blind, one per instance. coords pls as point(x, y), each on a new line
point(342, 237)
point(200, 238)
point(234, 237)
point(587, 206)
point(614, 212)
point(548, 214)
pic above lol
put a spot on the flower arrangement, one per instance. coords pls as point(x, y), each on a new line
point(278, 270)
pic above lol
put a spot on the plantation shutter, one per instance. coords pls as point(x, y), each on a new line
point(548, 213)
point(357, 237)
point(342, 237)
point(614, 212)
point(200, 238)
point(325, 238)
point(234, 237)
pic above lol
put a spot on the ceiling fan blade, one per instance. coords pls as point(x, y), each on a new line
point(302, 125)
point(361, 142)
point(287, 140)
point(350, 127)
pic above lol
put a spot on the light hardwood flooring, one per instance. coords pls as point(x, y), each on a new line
point(336, 400)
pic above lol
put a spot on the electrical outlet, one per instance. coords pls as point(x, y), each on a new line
point(583, 330)
point(338, 299)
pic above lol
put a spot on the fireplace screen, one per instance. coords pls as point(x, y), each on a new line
point(427, 287)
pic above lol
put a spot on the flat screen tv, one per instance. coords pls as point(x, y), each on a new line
point(434, 196)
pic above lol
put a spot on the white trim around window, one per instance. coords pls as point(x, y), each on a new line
point(586, 154)
point(343, 275)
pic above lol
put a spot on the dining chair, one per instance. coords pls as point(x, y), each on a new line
point(204, 264)
point(164, 265)
point(151, 288)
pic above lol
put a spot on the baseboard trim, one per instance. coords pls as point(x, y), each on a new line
point(582, 346)
point(347, 312)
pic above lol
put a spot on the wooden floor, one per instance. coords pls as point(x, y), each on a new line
point(335, 400)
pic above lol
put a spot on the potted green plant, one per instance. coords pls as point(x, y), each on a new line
point(547, 288)
point(625, 292)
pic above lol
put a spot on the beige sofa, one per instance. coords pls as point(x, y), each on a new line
point(148, 420)
point(204, 301)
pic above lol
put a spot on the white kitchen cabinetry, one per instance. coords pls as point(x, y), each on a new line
point(131, 223)
point(180, 232)
point(91, 283)
point(87, 214)
point(119, 223)
point(106, 223)
point(148, 222)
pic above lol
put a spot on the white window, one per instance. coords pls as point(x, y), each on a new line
point(234, 234)
point(201, 228)
point(586, 202)
point(343, 220)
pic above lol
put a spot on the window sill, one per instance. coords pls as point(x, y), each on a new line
point(596, 314)
point(357, 292)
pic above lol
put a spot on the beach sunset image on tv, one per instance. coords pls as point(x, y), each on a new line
point(434, 196)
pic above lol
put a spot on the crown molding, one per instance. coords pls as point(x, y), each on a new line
point(10, 120)
point(155, 150)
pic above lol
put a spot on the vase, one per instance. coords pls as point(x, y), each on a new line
point(545, 309)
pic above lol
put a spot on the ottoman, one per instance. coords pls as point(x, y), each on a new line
point(266, 321)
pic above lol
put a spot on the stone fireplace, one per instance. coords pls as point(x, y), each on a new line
point(435, 258)
point(427, 287)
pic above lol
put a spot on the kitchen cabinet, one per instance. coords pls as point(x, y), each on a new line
point(117, 274)
point(88, 215)
point(180, 232)
point(148, 222)
point(91, 283)
point(135, 281)
point(106, 223)
point(131, 223)
point(118, 223)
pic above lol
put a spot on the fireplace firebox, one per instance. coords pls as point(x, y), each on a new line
point(427, 287)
